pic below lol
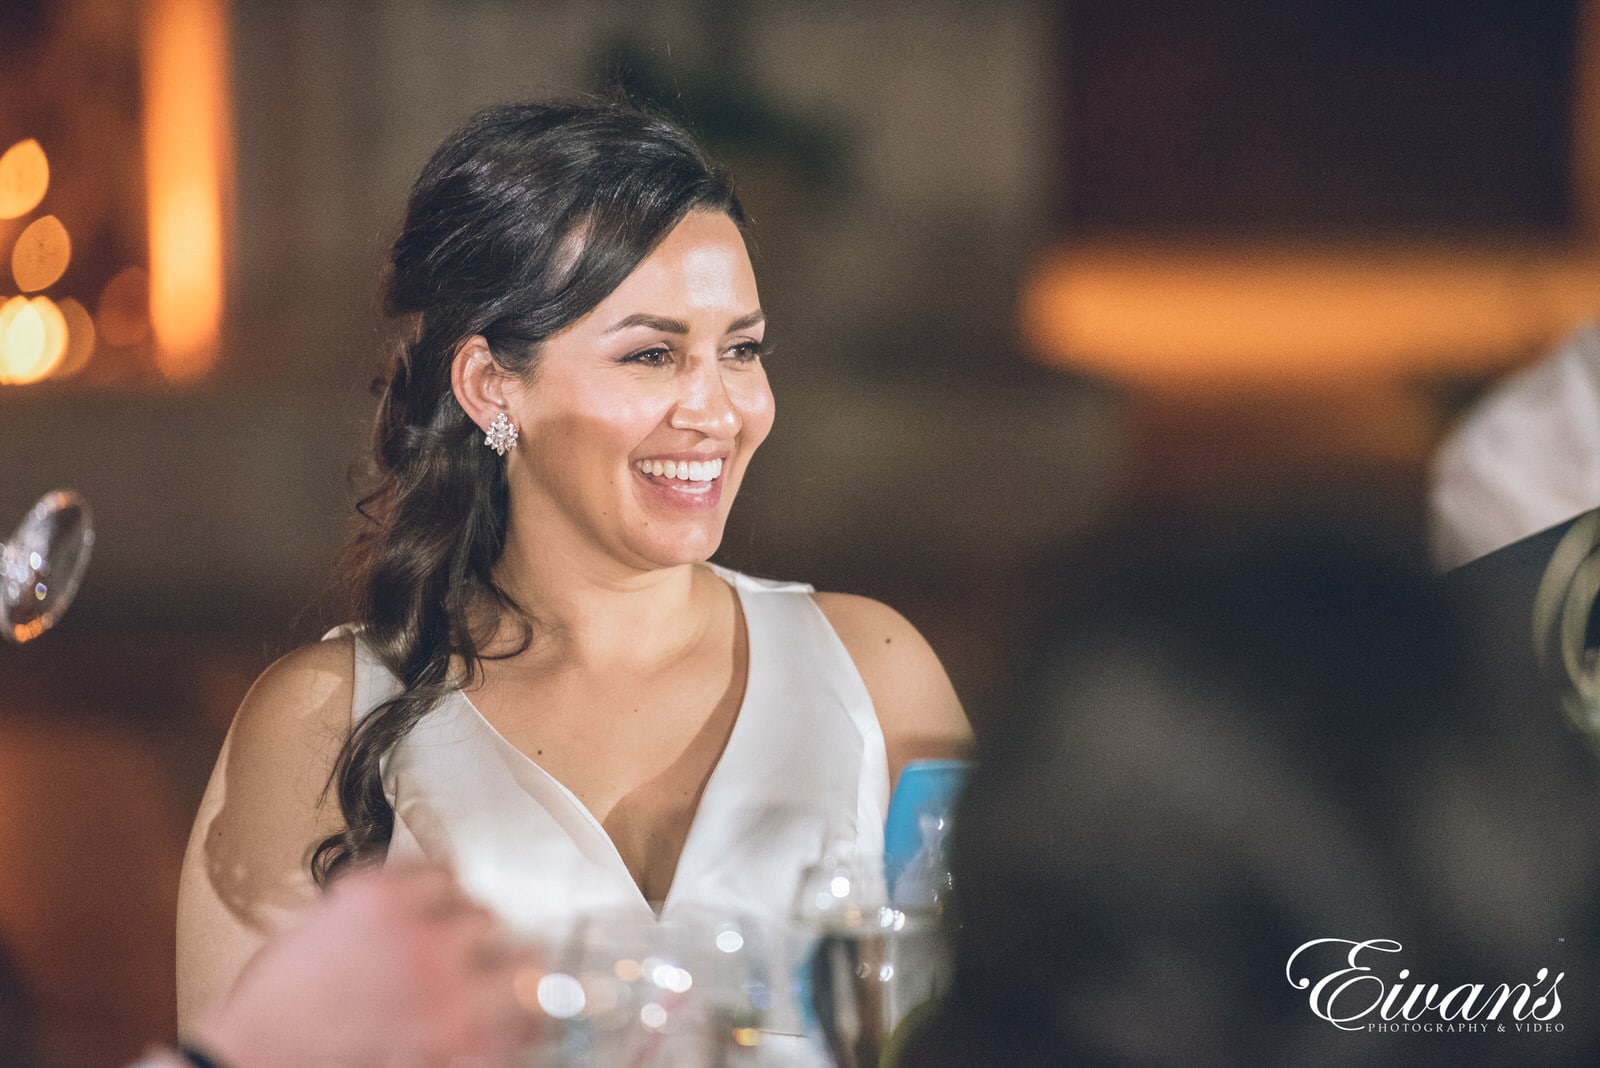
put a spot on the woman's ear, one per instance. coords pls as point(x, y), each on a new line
point(478, 381)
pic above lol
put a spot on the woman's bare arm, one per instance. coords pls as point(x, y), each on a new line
point(245, 869)
point(917, 707)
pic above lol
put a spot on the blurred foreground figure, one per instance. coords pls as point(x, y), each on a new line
point(1525, 458)
point(1234, 742)
point(396, 967)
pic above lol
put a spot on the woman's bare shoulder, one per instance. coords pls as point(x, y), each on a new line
point(917, 707)
point(330, 660)
point(288, 732)
point(289, 728)
point(264, 809)
point(311, 684)
point(857, 619)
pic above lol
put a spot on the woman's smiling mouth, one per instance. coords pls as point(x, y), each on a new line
point(694, 486)
point(681, 470)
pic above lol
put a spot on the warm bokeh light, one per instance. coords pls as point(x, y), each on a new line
point(21, 339)
point(26, 632)
point(1199, 317)
point(80, 338)
point(186, 148)
point(33, 339)
point(24, 177)
point(41, 254)
point(122, 315)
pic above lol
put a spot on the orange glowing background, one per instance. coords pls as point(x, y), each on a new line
point(187, 146)
point(1175, 317)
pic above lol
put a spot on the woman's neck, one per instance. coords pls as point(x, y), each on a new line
point(601, 614)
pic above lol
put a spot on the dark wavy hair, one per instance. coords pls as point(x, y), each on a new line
point(523, 221)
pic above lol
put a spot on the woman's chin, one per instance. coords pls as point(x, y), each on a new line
point(673, 527)
point(688, 547)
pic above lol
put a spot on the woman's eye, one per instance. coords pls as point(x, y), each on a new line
point(649, 357)
point(748, 351)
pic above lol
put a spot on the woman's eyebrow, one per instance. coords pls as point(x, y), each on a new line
point(654, 322)
point(678, 326)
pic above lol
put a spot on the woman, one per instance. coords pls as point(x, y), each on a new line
point(547, 686)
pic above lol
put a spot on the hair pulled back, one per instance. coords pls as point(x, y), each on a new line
point(523, 220)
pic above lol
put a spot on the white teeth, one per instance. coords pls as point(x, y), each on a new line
point(682, 470)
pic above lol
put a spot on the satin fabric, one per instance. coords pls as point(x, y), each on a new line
point(804, 771)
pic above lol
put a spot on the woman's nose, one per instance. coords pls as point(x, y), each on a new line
point(704, 404)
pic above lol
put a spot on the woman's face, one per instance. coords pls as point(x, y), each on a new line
point(641, 416)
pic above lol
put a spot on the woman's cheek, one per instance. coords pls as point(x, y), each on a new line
point(759, 409)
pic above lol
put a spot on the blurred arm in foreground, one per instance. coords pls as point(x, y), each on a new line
point(392, 966)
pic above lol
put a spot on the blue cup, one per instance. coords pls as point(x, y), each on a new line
point(926, 788)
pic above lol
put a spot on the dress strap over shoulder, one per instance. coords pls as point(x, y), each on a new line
point(740, 581)
point(373, 683)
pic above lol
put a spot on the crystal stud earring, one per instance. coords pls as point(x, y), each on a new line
point(502, 435)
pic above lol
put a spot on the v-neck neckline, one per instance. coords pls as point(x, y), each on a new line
point(614, 855)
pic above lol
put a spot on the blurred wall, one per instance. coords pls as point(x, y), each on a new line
point(890, 279)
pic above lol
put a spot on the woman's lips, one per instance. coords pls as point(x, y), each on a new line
point(692, 485)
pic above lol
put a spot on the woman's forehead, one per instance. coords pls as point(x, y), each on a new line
point(702, 266)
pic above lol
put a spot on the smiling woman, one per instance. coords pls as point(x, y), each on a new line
point(546, 684)
point(622, 391)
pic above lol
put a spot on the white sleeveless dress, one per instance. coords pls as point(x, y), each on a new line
point(804, 768)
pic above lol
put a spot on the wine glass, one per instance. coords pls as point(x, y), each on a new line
point(691, 991)
point(42, 564)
